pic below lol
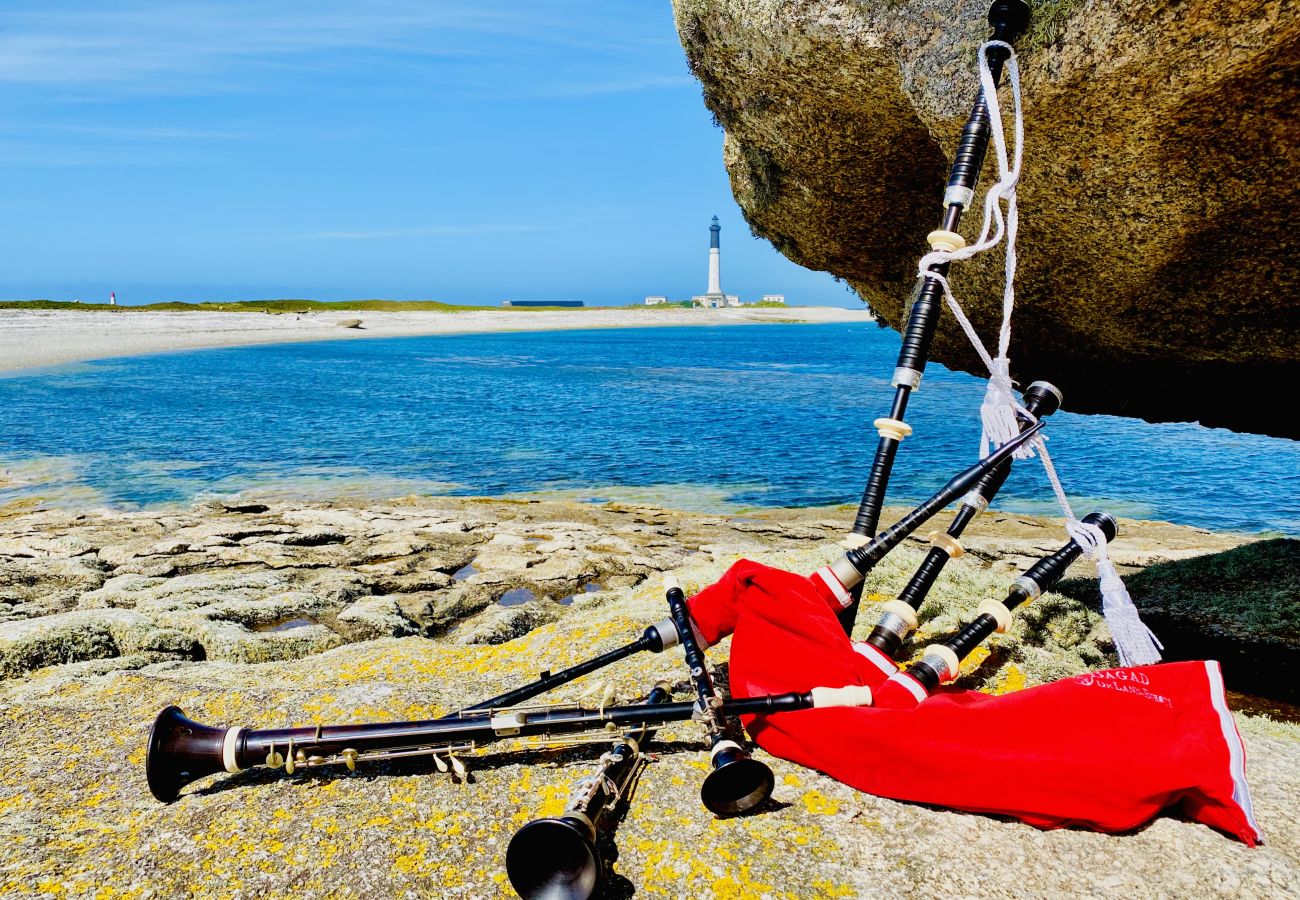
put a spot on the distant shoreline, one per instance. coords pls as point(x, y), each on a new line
point(33, 337)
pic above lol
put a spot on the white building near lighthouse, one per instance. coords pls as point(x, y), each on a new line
point(714, 297)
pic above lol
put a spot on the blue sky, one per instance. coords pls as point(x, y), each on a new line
point(459, 150)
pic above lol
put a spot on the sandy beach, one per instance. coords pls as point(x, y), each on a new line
point(32, 338)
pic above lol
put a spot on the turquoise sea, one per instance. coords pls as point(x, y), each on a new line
point(715, 418)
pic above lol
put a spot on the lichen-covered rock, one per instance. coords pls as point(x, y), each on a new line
point(498, 624)
point(82, 635)
point(42, 586)
point(1158, 267)
point(234, 642)
point(401, 828)
point(375, 617)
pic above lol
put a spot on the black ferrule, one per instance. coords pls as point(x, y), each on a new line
point(1040, 402)
point(969, 158)
point(920, 323)
point(1016, 596)
point(654, 641)
point(1009, 19)
point(924, 578)
point(884, 640)
point(970, 637)
point(873, 497)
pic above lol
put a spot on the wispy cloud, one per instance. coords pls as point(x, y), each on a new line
point(146, 133)
point(594, 87)
point(462, 230)
point(187, 46)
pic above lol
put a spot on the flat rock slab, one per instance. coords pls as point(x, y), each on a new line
point(78, 818)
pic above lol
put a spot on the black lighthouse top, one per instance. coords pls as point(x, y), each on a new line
point(714, 231)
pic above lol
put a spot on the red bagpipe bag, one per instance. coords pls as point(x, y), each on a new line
point(1106, 750)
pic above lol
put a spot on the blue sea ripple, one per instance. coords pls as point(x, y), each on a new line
point(710, 417)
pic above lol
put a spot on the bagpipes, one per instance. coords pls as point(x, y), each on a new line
point(1151, 738)
point(1106, 750)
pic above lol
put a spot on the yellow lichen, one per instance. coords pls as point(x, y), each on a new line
point(1012, 680)
point(819, 804)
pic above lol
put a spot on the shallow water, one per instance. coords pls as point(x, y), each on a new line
point(701, 418)
point(517, 597)
point(286, 624)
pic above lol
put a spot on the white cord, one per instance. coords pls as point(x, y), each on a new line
point(1000, 412)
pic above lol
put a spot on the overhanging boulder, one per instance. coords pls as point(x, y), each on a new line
point(1158, 204)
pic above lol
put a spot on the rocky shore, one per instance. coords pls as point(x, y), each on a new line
point(275, 613)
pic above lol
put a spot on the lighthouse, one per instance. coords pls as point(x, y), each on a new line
point(715, 258)
point(714, 297)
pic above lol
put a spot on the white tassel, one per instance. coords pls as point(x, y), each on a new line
point(998, 411)
point(1135, 643)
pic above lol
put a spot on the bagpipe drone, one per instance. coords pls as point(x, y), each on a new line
point(1008, 19)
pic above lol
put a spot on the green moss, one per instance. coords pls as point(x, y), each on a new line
point(1049, 18)
point(1251, 590)
point(765, 176)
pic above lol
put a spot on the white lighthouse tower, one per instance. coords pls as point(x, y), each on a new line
point(715, 258)
point(714, 297)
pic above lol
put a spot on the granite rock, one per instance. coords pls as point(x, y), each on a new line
point(375, 617)
point(1157, 266)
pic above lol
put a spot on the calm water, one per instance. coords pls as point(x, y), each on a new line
point(703, 418)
